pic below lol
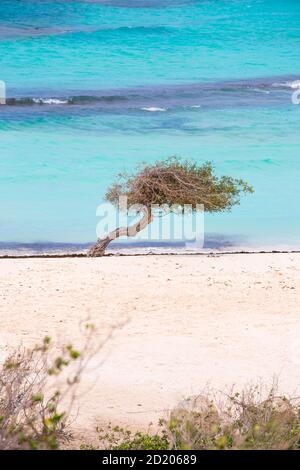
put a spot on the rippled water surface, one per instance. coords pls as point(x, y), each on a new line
point(95, 87)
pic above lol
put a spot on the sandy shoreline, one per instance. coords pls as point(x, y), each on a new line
point(193, 321)
point(130, 253)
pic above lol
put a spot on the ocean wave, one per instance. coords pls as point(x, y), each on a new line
point(75, 100)
point(160, 98)
point(142, 3)
point(28, 101)
point(154, 109)
point(259, 90)
point(295, 84)
point(8, 33)
point(49, 101)
point(138, 29)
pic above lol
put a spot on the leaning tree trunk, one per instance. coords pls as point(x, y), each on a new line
point(102, 243)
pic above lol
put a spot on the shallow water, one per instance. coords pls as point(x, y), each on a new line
point(96, 87)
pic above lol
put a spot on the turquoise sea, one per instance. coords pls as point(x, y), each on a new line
point(96, 87)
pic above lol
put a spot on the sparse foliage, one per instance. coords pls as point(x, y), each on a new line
point(178, 182)
point(171, 183)
point(248, 420)
point(118, 438)
point(37, 391)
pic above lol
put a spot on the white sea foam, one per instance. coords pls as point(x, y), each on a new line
point(153, 109)
point(294, 84)
point(259, 90)
point(49, 101)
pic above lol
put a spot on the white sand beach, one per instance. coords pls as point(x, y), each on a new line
point(192, 321)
